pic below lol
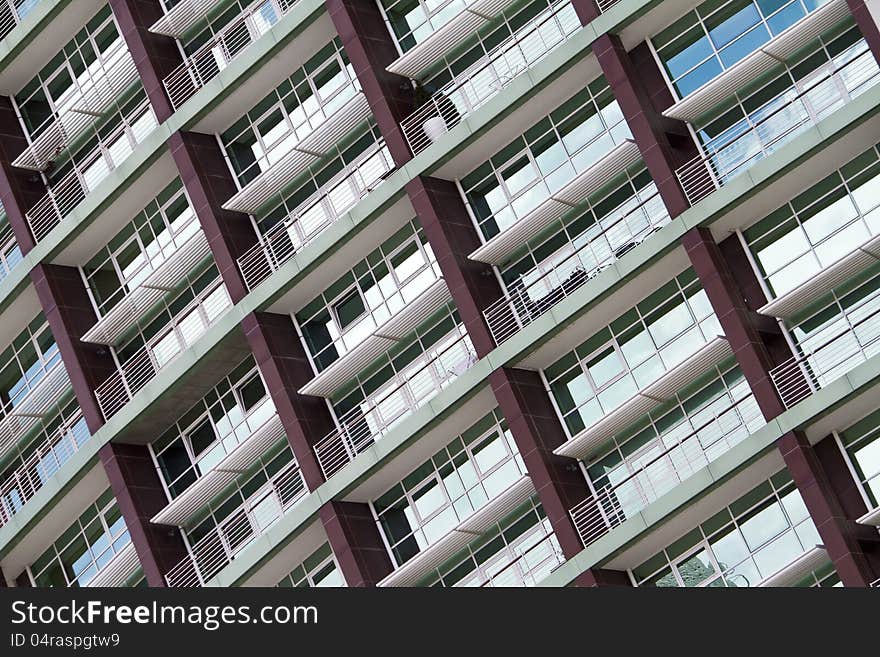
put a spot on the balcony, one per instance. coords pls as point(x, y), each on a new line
point(182, 16)
point(796, 570)
point(183, 331)
point(36, 470)
point(120, 569)
point(12, 14)
point(166, 275)
point(467, 531)
point(219, 548)
point(23, 414)
point(585, 443)
point(203, 65)
point(845, 269)
point(65, 194)
point(351, 363)
point(871, 518)
point(10, 254)
point(775, 124)
point(819, 365)
point(611, 505)
point(781, 47)
point(534, 563)
point(365, 424)
point(319, 211)
point(490, 74)
point(445, 38)
point(96, 91)
point(283, 168)
point(554, 280)
point(573, 194)
point(224, 462)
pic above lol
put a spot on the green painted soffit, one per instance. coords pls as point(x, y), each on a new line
point(26, 31)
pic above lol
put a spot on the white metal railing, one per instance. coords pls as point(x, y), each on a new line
point(651, 478)
point(183, 330)
point(526, 301)
point(14, 13)
point(46, 460)
point(8, 245)
point(320, 210)
point(488, 76)
point(112, 150)
point(92, 98)
point(779, 120)
point(605, 5)
point(213, 552)
point(203, 65)
point(800, 376)
point(532, 565)
point(361, 427)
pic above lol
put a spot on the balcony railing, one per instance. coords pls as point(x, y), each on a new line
point(800, 376)
point(220, 547)
point(525, 302)
point(779, 121)
point(186, 327)
point(488, 76)
point(614, 503)
point(532, 565)
point(67, 193)
point(361, 427)
point(182, 16)
point(320, 210)
point(45, 390)
point(203, 65)
point(605, 5)
point(46, 460)
point(93, 98)
point(7, 249)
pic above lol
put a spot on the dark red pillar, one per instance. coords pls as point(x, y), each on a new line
point(839, 533)
point(69, 312)
point(140, 496)
point(587, 10)
point(209, 184)
point(596, 577)
point(154, 55)
point(370, 48)
point(642, 93)
point(867, 25)
point(355, 540)
point(734, 308)
point(452, 235)
point(20, 189)
point(285, 367)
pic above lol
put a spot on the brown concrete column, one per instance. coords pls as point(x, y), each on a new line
point(841, 536)
point(20, 189)
point(209, 184)
point(140, 496)
point(285, 367)
point(756, 341)
point(69, 312)
point(370, 48)
point(537, 431)
point(867, 25)
point(642, 93)
point(452, 235)
point(356, 542)
point(596, 577)
point(155, 55)
point(587, 10)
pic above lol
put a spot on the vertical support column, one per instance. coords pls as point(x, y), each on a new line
point(140, 496)
point(285, 368)
point(356, 542)
point(587, 10)
point(839, 533)
point(209, 184)
point(642, 94)
point(20, 189)
point(736, 315)
point(69, 311)
point(452, 235)
point(867, 24)
point(155, 55)
point(370, 48)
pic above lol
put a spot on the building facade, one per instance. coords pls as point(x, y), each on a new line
point(397, 293)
